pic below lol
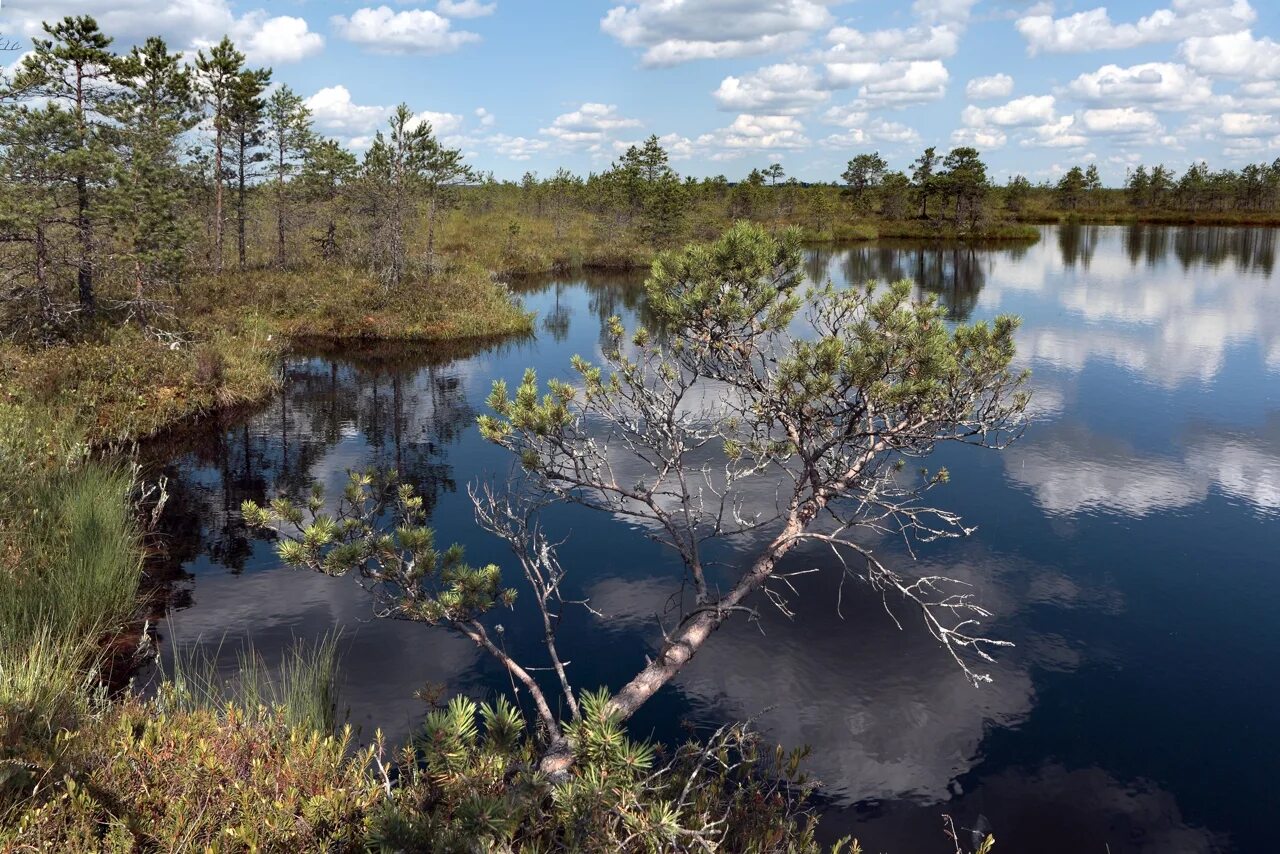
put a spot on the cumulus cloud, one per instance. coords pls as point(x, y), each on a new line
point(275, 40)
point(589, 125)
point(1121, 120)
point(984, 138)
point(774, 89)
point(410, 31)
point(1063, 132)
point(749, 133)
point(1234, 55)
point(928, 42)
point(677, 31)
point(864, 129)
point(334, 111)
point(185, 24)
point(1020, 112)
point(516, 147)
point(887, 84)
point(465, 8)
point(1094, 29)
point(995, 86)
point(1167, 85)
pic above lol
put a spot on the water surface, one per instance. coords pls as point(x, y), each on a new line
point(1128, 545)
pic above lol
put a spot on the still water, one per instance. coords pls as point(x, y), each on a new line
point(1129, 545)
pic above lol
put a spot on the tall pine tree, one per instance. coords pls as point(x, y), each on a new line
point(289, 138)
point(219, 74)
point(74, 67)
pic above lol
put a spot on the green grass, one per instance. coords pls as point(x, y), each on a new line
point(71, 571)
point(303, 686)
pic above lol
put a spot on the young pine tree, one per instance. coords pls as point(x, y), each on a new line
point(148, 202)
point(37, 195)
point(75, 68)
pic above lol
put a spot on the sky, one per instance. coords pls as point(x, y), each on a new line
point(730, 85)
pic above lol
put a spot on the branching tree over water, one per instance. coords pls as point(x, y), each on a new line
point(683, 431)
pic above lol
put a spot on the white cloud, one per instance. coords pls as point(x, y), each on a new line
point(774, 89)
point(275, 40)
point(883, 84)
point(750, 133)
point(465, 8)
point(995, 86)
point(516, 147)
point(936, 42)
point(442, 124)
point(1234, 55)
point(983, 138)
point(1121, 120)
point(589, 125)
point(1164, 84)
point(1094, 29)
point(485, 117)
point(334, 111)
point(410, 31)
point(1020, 112)
point(1063, 132)
point(676, 31)
point(185, 24)
point(863, 129)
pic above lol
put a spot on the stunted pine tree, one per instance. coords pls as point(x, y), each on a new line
point(148, 202)
point(74, 67)
point(37, 198)
point(289, 135)
point(824, 398)
point(326, 168)
point(399, 168)
point(863, 175)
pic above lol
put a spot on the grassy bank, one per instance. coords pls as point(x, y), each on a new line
point(118, 384)
point(914, 229)
point(1131, 216)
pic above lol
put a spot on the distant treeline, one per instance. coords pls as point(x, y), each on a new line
point(126, 175)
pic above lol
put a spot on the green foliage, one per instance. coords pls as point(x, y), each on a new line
point(469, 784)
point(141, 778)
point(414, 580)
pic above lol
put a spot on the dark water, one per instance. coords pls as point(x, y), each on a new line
point(1128, 546)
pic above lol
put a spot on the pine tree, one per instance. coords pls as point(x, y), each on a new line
point(289, 135)
point(38, 173)
point(74, 67)
point(148, 202)
point(219, 73)
point(326, 168)
point(922, 173)
point(245, 118)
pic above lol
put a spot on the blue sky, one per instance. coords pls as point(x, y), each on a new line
point(734, 84)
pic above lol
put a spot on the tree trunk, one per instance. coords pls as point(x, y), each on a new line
point(431, 232)
point(685, 642)
point(217, 197)
point(42, 278)
point(280, 208)
point(84, 270)
point(240, 203)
